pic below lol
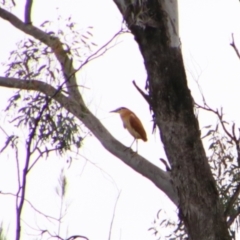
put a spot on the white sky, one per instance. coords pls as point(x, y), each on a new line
point(205, 30)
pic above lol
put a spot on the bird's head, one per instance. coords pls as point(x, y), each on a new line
point(119, 110)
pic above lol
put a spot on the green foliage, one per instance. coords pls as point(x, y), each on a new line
point(222, 142)
point(223, 161)
point(50, 125)
point(55, 126)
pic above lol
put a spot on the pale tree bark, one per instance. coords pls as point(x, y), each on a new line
point(154, 24)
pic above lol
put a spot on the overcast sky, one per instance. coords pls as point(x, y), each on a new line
point(205, 32)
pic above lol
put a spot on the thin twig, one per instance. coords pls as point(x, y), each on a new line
point(28, 11)
point(44, 231)
point(234, 46)
point(113, 217)
point(40, 155)
point(168, 169)
point(97, 53)
point(77, 236)
point(145, 96)
point(38, 211)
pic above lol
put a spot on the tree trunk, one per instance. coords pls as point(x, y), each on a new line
point(154, 25)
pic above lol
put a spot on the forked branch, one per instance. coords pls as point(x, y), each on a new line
point(159, 177)
point(75, 105)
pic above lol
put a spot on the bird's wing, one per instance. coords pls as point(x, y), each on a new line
point(137, 126)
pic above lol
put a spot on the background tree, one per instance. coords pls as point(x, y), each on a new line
point(154, 24)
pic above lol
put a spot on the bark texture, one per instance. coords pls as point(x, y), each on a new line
point(172, 106)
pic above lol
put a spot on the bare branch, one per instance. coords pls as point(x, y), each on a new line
point(28, 11)
point(26, 168)
point(234, 46)
point(76, 237)
point(32, 206)
point(40, 155)
point(168, 169)
point(44, 231)
point(114, 212)
point(100, 51)
point(159, 177)
point(73, 237)
point(145, 96)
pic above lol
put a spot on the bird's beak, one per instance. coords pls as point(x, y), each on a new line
point(114, 111)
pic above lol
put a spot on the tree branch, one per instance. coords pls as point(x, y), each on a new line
point(23, 187)
point(54, 43)
point(235, 47)
point(145, 96)
point(28, 9)
point(31, 205)
point(114, 212)
point(160, 178)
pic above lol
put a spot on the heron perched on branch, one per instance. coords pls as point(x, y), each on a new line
point(133, 124)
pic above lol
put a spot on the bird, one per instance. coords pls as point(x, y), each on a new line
point(133, 124)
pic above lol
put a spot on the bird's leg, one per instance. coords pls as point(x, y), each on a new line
point(131, 144)
point(136, 144)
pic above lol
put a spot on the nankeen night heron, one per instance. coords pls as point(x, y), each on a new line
point(132, 123)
